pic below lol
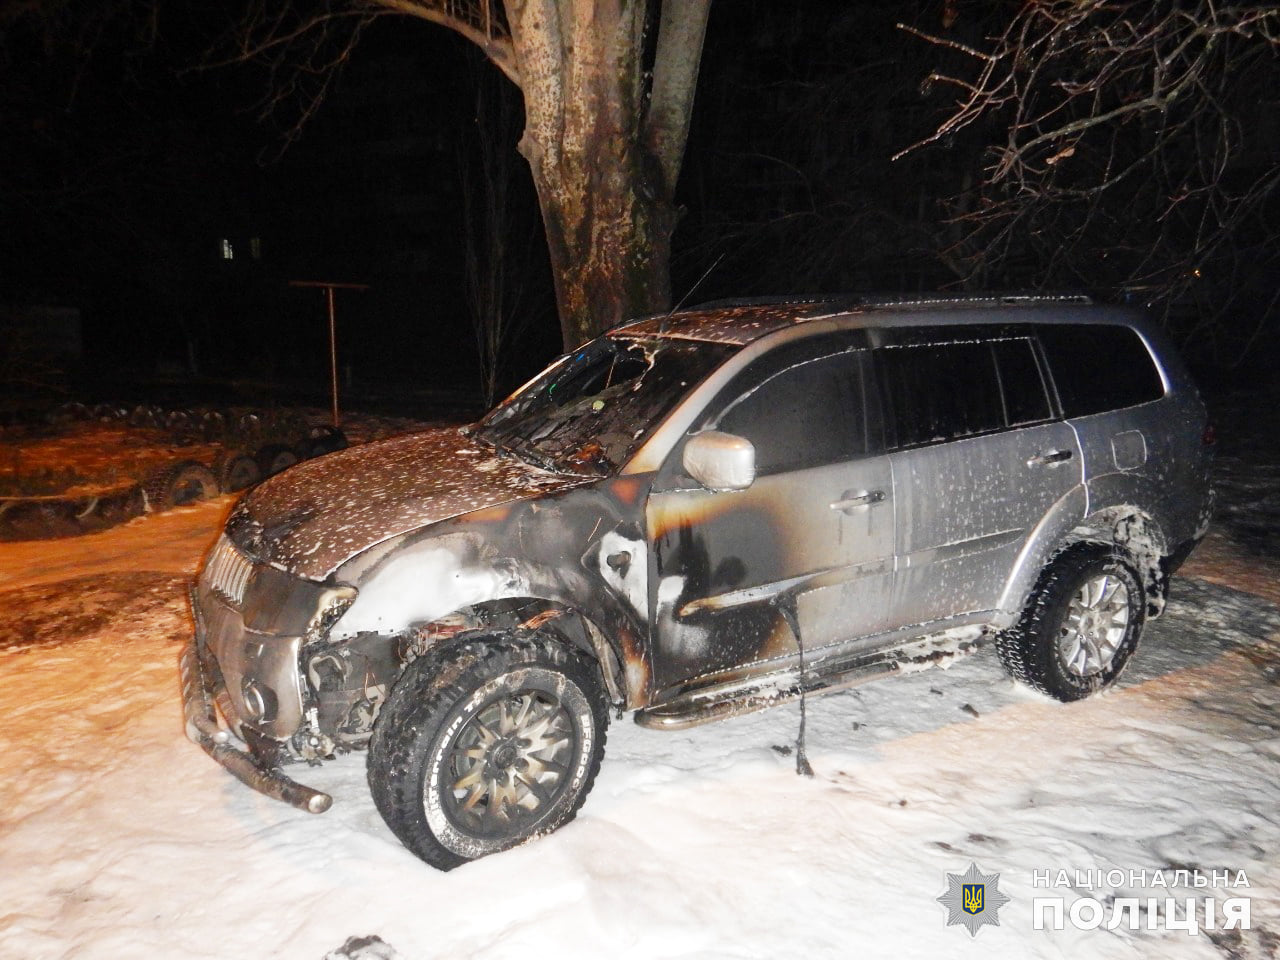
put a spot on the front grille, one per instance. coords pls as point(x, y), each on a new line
point(227, 571)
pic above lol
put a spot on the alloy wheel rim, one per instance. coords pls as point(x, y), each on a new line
point(509, 764)
point(1096, 623)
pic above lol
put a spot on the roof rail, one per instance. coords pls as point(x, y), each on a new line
point(854, 300)
point(770, 301)
point(974, 299)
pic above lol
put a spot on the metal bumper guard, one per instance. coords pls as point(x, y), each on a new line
point(203, 729)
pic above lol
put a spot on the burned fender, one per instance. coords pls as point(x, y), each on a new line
point(427, 580)
point(577, 553)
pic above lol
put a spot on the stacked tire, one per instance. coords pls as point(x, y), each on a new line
point(178, 485)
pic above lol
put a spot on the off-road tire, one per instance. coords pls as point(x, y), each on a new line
point(322, 439)
point(178, 485)
point(238, 472)
point(275, 457)
point(438, 699)
point(1030, 650)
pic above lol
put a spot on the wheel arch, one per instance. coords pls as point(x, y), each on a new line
point(1141, 540)
point(436, 585)
point(1126, 527)
point(523, 614)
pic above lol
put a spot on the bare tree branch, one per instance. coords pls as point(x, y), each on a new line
point(482, 22)
point(1119, 145)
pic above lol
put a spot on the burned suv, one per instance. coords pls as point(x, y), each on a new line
point(694, 516)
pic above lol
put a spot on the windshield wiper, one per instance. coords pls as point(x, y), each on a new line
point(528, 454)
point(521, 451)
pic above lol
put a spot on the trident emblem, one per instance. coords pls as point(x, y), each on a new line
point(972, 897)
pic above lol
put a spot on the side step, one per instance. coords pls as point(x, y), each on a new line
point(736, 697)
point(720, 703)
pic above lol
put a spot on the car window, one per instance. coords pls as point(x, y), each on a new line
point(1025, 398)
point(1099, 367)
point(812, 413)
point(940, 391)
point(590, 412)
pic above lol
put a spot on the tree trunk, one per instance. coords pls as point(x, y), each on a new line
point(604, 148)
point(605, 128)
point(610, 244)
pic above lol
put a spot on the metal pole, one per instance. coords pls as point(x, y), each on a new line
point(333, 357)
point(329, 288)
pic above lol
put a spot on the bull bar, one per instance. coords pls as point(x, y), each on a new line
point(204, 730)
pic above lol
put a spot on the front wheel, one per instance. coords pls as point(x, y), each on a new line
point(487, 744)
point(1080, 627)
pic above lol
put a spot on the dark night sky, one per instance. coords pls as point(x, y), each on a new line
point(125, 170)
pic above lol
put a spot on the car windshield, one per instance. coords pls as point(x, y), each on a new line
point(591, 410)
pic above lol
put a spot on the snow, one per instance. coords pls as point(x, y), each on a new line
point(120, 839)
point(82, 459)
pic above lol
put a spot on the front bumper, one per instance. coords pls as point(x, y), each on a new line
point(203, 730)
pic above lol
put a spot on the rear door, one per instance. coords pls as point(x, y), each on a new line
point(1108, 383)
point(979, 460)
point(816, 523)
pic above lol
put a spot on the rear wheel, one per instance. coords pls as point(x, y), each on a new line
point(1080, 626)
point(487, 744)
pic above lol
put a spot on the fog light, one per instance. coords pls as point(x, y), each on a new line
point(259, 701)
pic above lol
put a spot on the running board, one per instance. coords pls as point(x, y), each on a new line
point(738, 697)
point(706, 708)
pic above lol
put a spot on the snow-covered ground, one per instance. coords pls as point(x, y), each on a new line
point(120, 839)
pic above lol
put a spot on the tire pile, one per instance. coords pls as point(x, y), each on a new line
point(250, 445)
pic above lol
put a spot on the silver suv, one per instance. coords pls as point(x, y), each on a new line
point(694, 516)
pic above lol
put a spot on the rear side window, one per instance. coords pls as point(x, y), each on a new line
point(1025, 398)
point(1099, 367)
point(941, 391)
point(808, 415)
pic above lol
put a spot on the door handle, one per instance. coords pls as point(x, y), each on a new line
point(868, 498)
point(1052, 457)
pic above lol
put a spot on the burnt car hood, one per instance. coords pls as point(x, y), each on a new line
point(313, 517)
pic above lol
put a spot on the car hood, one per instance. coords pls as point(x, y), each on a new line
point(311, 518)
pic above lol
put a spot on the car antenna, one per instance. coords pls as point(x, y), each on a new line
point(662, 327)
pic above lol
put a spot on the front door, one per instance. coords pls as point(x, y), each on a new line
point(817, 525)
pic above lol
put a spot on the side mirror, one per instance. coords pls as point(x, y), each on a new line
point(720, 461)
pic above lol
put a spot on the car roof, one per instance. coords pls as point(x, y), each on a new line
point(740, 322)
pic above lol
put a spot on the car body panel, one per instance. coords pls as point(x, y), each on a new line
point(722, 561)
point(554, 549)
point(344, 569)
point(294, 522)
point(965, 510)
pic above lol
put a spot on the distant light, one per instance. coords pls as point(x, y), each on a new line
point(1196, 271)
point(227, 252)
